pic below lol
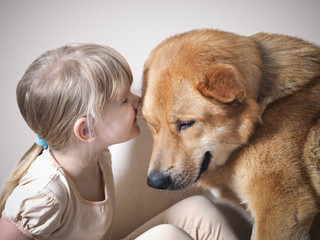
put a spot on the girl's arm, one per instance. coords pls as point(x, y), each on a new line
point(10, 232)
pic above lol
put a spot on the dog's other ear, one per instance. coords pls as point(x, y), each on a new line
point(223, 85)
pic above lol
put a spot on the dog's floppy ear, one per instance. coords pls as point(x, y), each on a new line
point(223, 85)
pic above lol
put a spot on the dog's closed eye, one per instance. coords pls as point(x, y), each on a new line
point(184, 125)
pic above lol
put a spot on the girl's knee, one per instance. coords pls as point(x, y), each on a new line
point(198, 199)
point(165, 231)
point(200, 204)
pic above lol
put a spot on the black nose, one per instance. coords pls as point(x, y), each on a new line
point(158, 180)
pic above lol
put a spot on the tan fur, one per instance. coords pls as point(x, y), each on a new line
point(253, 103)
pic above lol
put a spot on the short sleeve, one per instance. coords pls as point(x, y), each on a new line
point(36, 213)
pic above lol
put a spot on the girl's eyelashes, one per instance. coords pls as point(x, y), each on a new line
point(125, 101)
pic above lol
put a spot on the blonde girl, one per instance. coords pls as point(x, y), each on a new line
point(77, 100)
point(65, 97)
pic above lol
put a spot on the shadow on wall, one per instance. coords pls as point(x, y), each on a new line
point(136, 203)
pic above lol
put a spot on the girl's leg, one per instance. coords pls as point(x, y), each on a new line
point(197, 216)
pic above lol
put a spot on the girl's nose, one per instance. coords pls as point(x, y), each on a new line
point(135, 100)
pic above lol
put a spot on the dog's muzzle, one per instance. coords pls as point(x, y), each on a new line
point(162, 179)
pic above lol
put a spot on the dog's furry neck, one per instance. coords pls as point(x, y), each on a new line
point(286, 68)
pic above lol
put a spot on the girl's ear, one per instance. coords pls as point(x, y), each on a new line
point(82, 131)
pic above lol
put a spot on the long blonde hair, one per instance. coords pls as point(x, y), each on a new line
point(61, 86)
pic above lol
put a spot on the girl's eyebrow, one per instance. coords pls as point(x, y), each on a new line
point(113, 103)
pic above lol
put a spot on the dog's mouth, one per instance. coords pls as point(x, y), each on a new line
point(204, 165)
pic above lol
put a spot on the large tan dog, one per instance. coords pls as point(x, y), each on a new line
point(240, 114)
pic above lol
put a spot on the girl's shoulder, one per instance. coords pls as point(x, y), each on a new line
point(39, 201)
point(44, 184)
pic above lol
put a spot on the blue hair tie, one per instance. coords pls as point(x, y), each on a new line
point(41, 142)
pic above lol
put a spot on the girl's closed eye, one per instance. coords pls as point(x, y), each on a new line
point(125, 101)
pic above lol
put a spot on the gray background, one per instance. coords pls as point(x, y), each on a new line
point(133, 27)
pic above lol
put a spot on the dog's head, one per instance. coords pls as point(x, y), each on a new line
point(199, 101)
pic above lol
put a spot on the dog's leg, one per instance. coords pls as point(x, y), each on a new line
point(281, 208)
point(276, 226)
point(283, 204)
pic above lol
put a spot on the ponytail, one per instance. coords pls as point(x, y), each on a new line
point(19, 170)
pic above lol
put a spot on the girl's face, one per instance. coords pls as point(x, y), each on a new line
point(118, 122)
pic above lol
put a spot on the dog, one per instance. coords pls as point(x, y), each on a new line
point(240, 114)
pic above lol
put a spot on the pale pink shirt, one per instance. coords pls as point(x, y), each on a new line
point(46, 204)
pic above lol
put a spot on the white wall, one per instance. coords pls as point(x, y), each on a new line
point(133, 27)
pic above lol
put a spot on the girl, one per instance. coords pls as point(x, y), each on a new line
point(77, 98)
